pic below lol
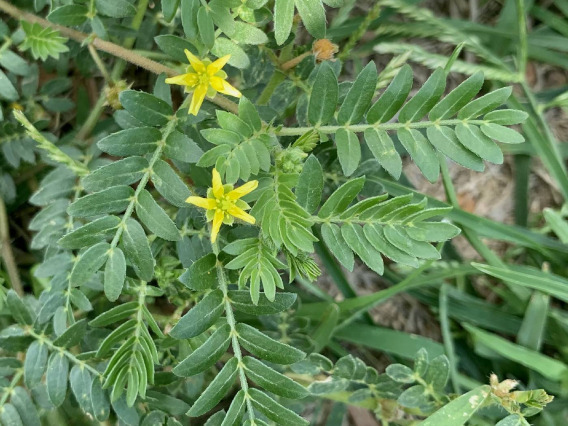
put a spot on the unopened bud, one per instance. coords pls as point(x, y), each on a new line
point(291, 160)
point(324, 50)
point(112, 94)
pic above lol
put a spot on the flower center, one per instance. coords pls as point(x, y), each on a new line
point(203, 78)
point(224, 203)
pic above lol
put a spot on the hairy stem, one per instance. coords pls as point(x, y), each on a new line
point(357, 128)
point(115, 74)
point(93, 117)
point(295, 61)
point(139, 320)
point(277, 76)
point(7, 253)
point(106, 46)
point(13, 384)
point(68, 354)
point(232, 323)
point(129, 42)
point(142, 184)
point(69, 228)
point(99, 63)
point(272, 84)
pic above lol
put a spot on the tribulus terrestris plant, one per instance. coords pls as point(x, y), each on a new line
point(191, 191)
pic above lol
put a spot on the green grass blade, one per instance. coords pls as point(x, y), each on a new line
point(548, 367)
point(529, 277)
point(391, 341)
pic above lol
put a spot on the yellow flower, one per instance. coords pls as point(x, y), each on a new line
point(204, 78)
point(223, 203)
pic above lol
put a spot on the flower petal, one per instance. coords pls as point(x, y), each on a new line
point(218, 190)
point(216, 83)
point(217, 222)
point(204, 203)
point(241, 214)
point(189, 79)
point(230, 90)
point(197, 98)
point(217, 65)
point(243, 190)
point(195, 62)
point(223, 86)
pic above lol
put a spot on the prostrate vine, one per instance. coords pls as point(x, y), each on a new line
point(162, 242)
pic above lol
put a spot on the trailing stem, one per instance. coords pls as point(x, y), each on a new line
point(232, 323)
point(68, 354)
point(106, 46)
point(357, 128)
point(143, 182)
point(8, 390)
point(7, 253)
